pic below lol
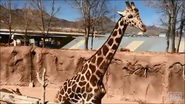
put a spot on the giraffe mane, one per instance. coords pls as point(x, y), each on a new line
point(80, 64)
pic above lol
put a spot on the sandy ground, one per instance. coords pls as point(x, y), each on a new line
point(50, 94)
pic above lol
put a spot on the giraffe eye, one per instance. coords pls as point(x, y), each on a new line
point(130, 16)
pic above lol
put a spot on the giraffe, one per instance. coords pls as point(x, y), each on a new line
point(87, 85)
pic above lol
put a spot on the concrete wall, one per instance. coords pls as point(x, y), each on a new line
point(165, 72)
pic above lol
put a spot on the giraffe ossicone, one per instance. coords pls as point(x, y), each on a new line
point(87, 85)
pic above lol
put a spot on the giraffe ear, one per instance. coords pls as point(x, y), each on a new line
point(120, 13)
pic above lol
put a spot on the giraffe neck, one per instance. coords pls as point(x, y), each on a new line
point(102, 58)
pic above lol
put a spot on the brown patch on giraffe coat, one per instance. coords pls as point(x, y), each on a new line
point(118, 40)
point(100, 59)
point(96, 90)
point(74, 78)
point(99, 74)
point(88, 88)
point(93, 80)
point(59, 97)
point(92, 67)
point(110, 55)
point(83, 89)
point(82, 83)
point(89, 96)
point(84, 95)
point(79, 95)
point(69, 90)
point(74, 100)
point(121, 23)
point(84, 69)
point(82, 78)
point(105, 50)
point(87, 74)
point(93, 59)
point(69, 84)
point(78, 90)
point(94, 101)
point(78, 78)
point(114, 47)
point(99, 52)
point(65, 87)
point(66, 95)
point(62, 91)
point(110, 42)
point(115, 33)
point(71, 95)
point(120, 31)
point(73, 83)
point(74, 87)
point(103, 65)
point(76, 97)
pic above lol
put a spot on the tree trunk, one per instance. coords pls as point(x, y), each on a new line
point(9, 38)
point(88, 23)
point(180, 35)
point(92, 39)
point(173, 28)
point(168, 34)
point(86, 38)
point(9, 21)
point(44, 38)
point(25, 39)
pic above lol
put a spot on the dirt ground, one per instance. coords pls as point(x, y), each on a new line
point(158, 74)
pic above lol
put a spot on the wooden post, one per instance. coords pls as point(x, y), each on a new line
point(43, 84)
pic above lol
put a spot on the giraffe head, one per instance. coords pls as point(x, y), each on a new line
point(131, 16)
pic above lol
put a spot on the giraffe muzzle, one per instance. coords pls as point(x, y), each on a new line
point(143, 28)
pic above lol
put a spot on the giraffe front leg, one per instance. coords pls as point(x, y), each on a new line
point(101, 88)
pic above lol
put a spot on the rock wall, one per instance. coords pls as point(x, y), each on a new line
point(134, 76)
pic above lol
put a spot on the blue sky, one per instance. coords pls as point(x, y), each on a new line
point(148, 15)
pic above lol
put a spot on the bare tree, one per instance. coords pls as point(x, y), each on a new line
point(182, 23)
point(26, 21)
point(9, 20)
point(162, 8)
point(43, 82)
point(170, 8)
point(92, 11)
point(98, 18)
point(174, 6)
point(45, 21)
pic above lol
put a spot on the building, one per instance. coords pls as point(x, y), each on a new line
point(140, 33)
point(162, 34)
point(52, 40)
